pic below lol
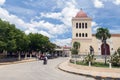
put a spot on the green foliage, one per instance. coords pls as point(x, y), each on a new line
point(2, 46)
point(7, 36)
point(75, 49)
point(39, 42)
point(76, 45)
point(115, 58)
point(89, 58)
point(51, 47)
point(103, 34)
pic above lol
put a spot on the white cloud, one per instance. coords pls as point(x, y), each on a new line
point(2, 2)
point(58, 29)
point(46, 34)
point(98, 3)
point(33, 30)
point(4, 15)
point(94, 24)
point(117, 2)
point(95, 28)
point(51, 15)
point(63, 42)
point(68, 12)
point(53, 29)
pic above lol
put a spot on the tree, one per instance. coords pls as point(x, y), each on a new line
point(76, 46)
point(7, 34)
point(75, 50)
point(22, 43)
point(51, 47)
point(39, 42)
point(103, 34)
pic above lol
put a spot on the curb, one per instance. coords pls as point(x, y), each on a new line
point(87, 75)
point(17, 62)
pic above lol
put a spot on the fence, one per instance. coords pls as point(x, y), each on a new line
point(98, 57)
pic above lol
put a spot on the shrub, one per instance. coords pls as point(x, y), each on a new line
point(115, 58)
point(74, 51)
point(89, 58)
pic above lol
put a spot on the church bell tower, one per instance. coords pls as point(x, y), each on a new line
point(81, 30)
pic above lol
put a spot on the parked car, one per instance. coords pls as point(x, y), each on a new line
point(49, 56)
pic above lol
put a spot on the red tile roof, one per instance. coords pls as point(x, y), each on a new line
point(81, 14)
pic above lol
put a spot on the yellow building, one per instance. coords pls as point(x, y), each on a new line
point(82, 32)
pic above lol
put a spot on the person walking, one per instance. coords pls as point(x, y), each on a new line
point(45, 60)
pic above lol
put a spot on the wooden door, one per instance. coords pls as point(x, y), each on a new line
point(103, 49)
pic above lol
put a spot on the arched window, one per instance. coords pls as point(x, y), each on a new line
point(76, 25)
point(76, 34)
point(86, 35)
point(79, 34)
point(79, 25)
point(82, 34)
point(85, 25)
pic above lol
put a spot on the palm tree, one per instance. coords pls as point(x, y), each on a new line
point(103, 34)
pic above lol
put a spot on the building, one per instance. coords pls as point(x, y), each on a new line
point(62, 51)
point(82, 32)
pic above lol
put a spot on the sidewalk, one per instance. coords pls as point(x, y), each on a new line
point(94, 72)
point(15, 62)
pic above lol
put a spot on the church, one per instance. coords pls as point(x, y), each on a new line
point(82, 33)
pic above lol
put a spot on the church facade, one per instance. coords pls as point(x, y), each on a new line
point(82, 33)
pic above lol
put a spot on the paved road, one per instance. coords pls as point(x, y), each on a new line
point(37, 71)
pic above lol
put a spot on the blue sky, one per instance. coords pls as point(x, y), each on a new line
point(52, 18)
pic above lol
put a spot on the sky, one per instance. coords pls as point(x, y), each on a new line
point(52, 18)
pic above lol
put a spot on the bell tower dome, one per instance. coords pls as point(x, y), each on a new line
point(81, 14)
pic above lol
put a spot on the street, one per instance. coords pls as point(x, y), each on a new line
point(37, 71)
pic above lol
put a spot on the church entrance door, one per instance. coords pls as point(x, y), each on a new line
point(103, 49)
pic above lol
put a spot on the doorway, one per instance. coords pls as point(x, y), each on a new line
point(103, 49)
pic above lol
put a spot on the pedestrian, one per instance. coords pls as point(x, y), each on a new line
point(45, 60)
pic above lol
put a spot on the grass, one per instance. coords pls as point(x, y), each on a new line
point(100, 64)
